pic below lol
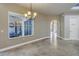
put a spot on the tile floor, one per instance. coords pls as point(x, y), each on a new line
point(44, 48)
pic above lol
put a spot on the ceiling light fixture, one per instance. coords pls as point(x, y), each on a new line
point(30, 14)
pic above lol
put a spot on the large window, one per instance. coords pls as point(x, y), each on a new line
point(19, 26)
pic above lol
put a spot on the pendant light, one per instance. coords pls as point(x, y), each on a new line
point(30, 14)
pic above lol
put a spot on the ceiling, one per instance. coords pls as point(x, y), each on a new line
point(50, 8)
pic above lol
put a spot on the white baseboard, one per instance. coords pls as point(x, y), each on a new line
point(21, 44)
point(63, 38)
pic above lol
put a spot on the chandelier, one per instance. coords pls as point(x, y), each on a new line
point(30, 14)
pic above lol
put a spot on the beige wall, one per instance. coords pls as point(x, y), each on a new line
point(41, 25)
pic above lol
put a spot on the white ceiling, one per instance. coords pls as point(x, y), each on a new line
point(50, 8)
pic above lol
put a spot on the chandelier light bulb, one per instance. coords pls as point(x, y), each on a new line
point(35, 14)
point(25, 15)
point(29, 13)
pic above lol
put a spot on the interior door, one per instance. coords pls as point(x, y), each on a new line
point(73, 27)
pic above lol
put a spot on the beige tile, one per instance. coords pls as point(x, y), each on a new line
point(43, 48)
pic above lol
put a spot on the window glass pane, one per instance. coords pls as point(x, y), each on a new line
point(18, 28)
point(11, 27)
point(30, 27)
point(26, 27)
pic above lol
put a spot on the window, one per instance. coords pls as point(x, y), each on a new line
point(28, 27)
point(19, 26)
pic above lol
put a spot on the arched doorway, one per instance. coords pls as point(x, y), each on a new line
point(53, 32)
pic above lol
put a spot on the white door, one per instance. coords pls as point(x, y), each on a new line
point(73, 27)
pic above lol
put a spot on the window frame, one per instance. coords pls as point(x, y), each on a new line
point(23, 18)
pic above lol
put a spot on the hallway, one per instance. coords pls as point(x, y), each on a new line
point(43, 48)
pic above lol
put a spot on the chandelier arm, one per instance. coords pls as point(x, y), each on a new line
point(31, 11)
